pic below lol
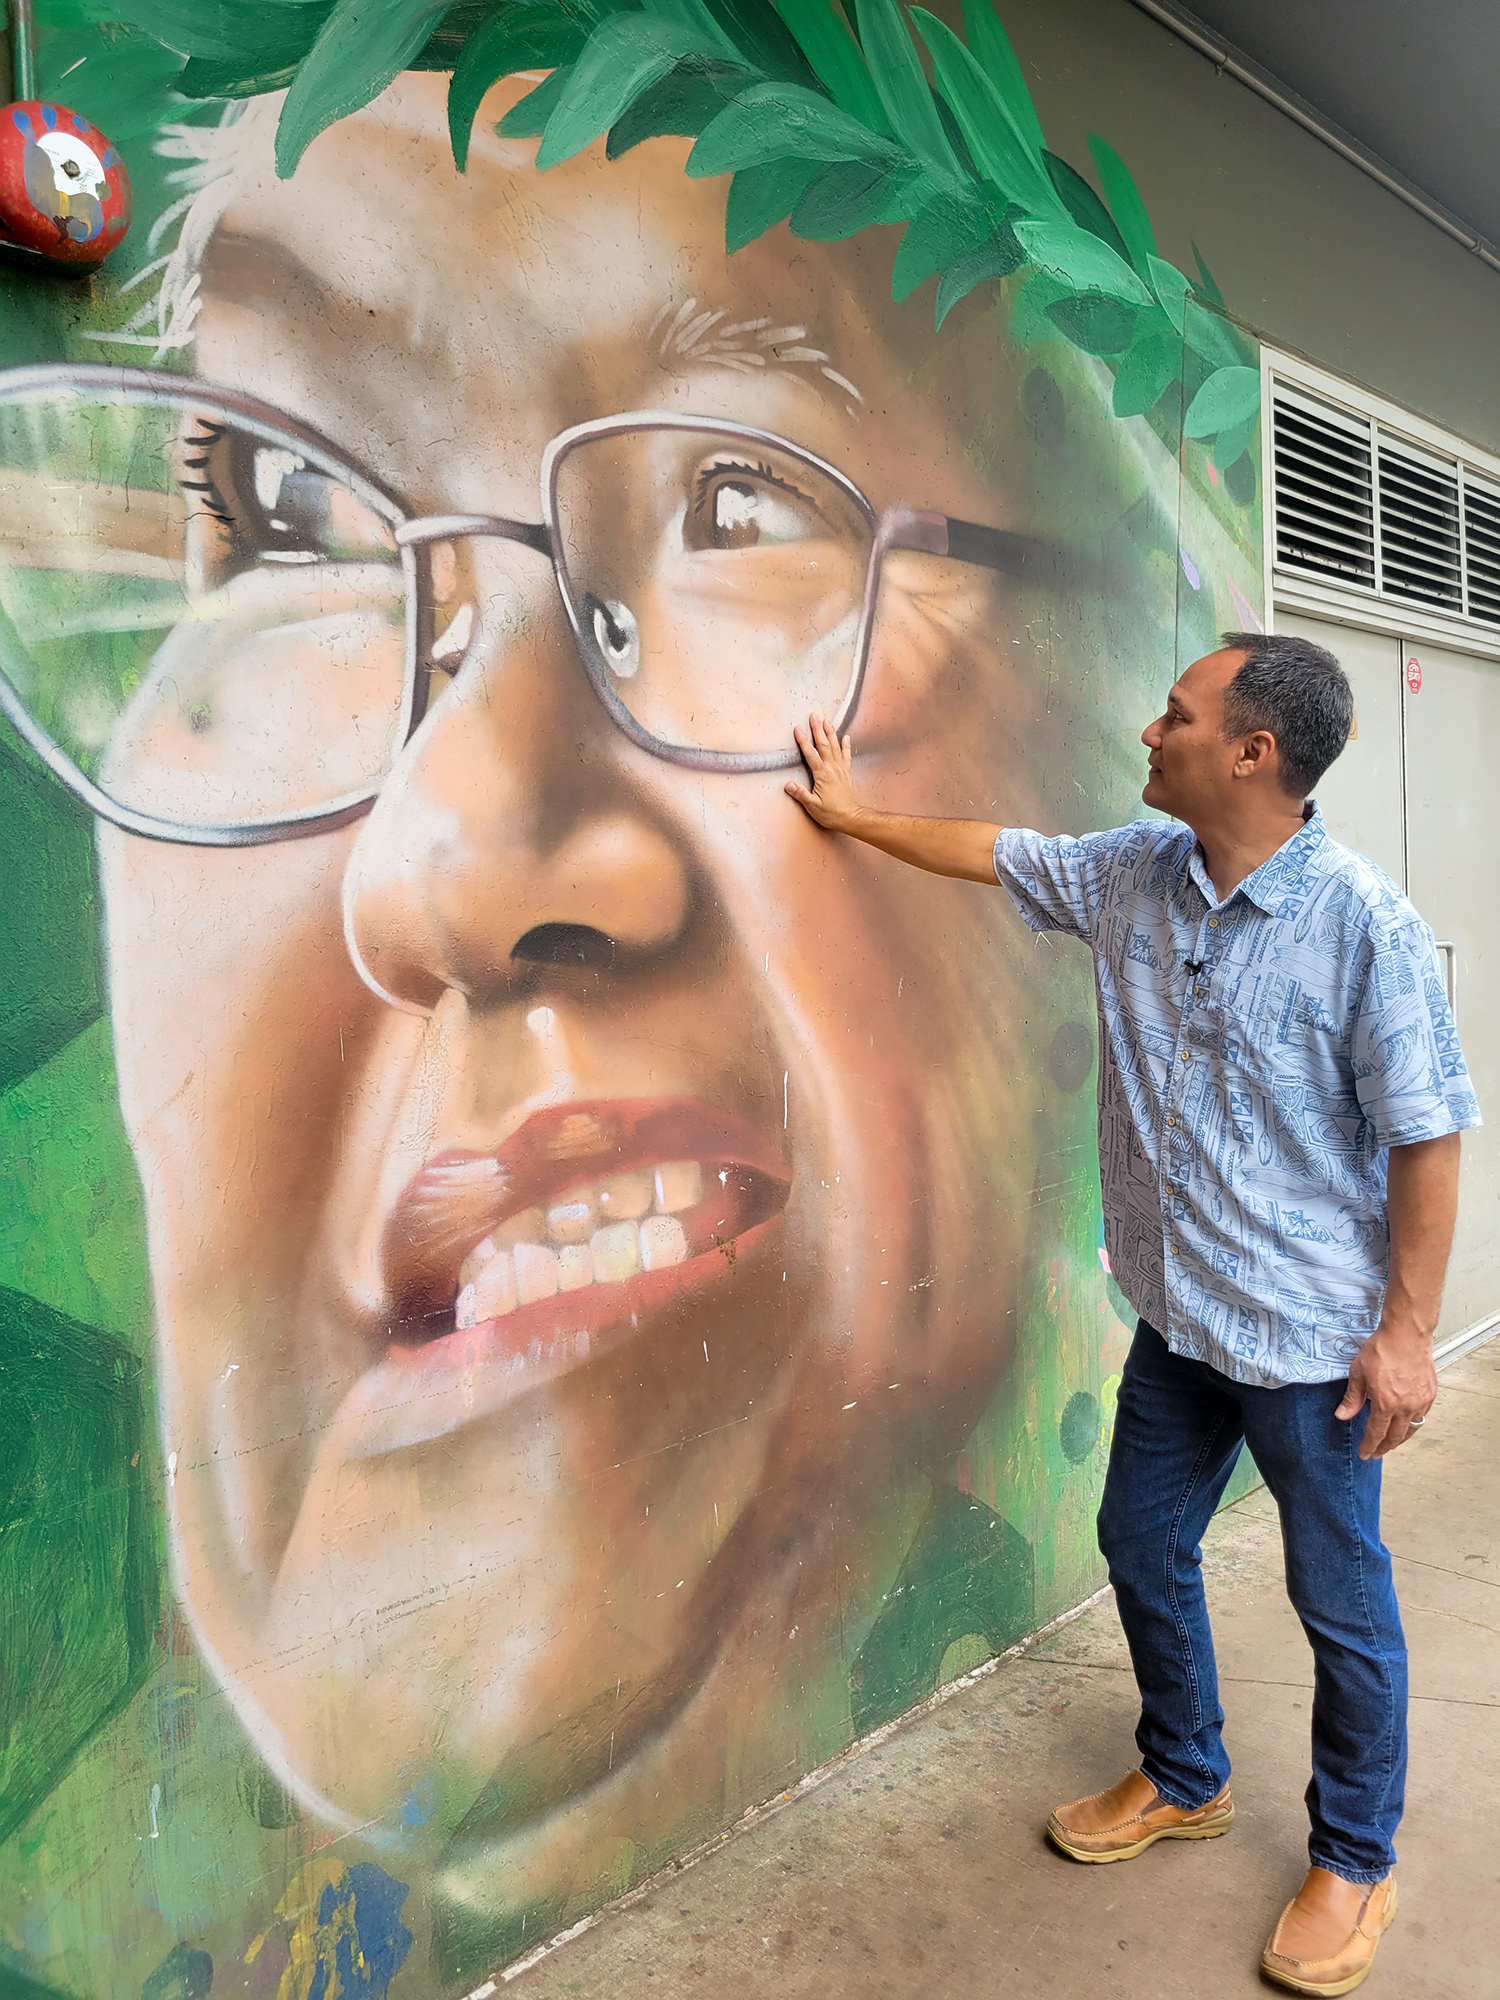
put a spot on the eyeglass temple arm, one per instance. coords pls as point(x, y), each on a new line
point(965, 541)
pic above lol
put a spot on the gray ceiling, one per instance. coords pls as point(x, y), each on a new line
point(1417, 81)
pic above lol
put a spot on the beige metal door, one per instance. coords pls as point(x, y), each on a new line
point(1452, 735)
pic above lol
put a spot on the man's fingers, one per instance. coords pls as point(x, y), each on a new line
point(1354, 1396)
point(1377, 1439)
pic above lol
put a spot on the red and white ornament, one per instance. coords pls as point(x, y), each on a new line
point(64, 191)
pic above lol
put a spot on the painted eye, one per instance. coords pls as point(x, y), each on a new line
point(740, 509)
point(618, 637)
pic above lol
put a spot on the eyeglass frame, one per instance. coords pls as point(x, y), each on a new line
point(900, 527)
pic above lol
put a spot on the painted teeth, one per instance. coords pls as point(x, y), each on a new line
point(596, 1236)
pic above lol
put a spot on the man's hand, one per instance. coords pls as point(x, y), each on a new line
point(1394, 1373)
point(830, 762)
point(961, 847)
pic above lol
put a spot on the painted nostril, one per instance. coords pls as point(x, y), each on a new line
point(564, 944)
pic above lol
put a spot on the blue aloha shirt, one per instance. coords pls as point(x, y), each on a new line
point(1245, 1110)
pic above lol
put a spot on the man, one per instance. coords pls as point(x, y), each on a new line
point(1280, 1099)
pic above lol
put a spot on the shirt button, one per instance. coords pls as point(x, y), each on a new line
point(1172, 1120)
point(1213, 923)
point(1187, 1055)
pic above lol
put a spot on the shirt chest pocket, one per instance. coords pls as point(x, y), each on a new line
point(1300, 1044)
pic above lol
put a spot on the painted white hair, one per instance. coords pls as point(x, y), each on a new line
point(215, 158)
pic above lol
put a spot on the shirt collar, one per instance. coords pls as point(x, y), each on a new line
point(1281, 876)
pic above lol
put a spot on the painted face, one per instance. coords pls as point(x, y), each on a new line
point(579, 1188)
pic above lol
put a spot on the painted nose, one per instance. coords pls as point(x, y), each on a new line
point(511, 832)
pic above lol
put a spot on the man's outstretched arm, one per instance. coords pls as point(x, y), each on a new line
point(963, 847)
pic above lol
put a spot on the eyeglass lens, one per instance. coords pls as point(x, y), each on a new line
point(209, 624)
point(715, 583)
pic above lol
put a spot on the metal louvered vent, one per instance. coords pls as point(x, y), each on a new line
point(1325, 493)
point(1482, 540)
point(1420, 554)
point(1362, 508)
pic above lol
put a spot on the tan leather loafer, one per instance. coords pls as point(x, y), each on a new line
point(1326, 1939)
point(1127, 1819)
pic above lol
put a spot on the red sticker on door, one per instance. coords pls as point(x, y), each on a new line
point(1414, 674)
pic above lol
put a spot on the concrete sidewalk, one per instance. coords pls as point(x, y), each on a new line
point(918, 1868)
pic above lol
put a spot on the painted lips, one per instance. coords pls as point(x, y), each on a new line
point(510, 1268)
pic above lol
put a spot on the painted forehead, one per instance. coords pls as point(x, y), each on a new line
point(591, 254)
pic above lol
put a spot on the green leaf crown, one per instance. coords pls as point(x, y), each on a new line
point(823, 120)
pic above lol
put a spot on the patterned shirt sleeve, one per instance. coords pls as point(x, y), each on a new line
point(1055, 881)
point(1409, 1072)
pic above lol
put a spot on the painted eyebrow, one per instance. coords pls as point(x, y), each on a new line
point(689, 331)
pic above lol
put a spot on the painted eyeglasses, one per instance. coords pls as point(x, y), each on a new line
point(217, 629)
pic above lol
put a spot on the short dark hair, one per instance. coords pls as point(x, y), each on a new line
point(1299, 693)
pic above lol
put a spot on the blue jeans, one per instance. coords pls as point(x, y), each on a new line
point(1178, 1433)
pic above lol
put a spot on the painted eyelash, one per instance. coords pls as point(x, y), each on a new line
point(208, 435)
point(758, 471)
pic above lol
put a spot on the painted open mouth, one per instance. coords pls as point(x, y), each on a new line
point(505, 1269)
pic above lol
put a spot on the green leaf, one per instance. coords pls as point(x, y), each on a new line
point(273, 34)
point(1231, 445)
point(997, 58)
point(205, 77)
point(527, 117)
point(899, 78)
point(781, 121)
point(981, 117)
point(1211, 337)
point(848, 196)
point(1087, 264)
point(357, 53)
point(696, 16)
point(1228, 399)
point(997, 258)
point(682, 104)
point(1171, 287)
point(947, 229)
point(823, 36)
point(1085, 207)
point(1125, 203)
point(625, 56)
point(1029, 321)
point(761, 40)
point(760, 197)
point(1144, 374)
point(1097, 324)
point(526, 36)
point(1210, 289)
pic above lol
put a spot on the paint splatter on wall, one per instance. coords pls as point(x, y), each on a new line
point(542, 1296)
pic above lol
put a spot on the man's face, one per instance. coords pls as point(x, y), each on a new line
point(1191, 765)
point(554, 987)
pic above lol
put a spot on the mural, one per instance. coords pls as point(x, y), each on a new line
point(542, 1296)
